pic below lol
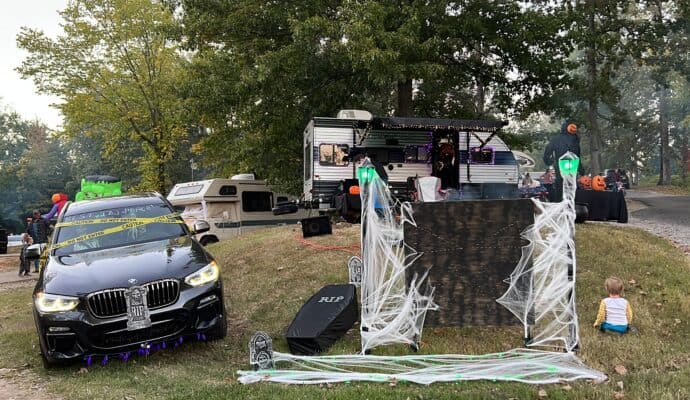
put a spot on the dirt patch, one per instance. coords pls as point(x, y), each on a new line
point(22, 384)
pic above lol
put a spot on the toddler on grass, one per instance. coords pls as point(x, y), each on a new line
point(614, 314)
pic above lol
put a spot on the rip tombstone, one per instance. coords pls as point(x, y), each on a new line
point(261, 351)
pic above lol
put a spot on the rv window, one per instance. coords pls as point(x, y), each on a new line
point(396, 157)
point(228, 190)
point(188, 190)
point(257, 201)
point(482, 155)
point(416, 154)
point(333, 154)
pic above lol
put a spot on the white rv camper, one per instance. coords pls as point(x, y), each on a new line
point(466, 155)
point(231, 206)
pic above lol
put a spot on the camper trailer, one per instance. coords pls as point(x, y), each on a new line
point(466, 155)
point(232, 206)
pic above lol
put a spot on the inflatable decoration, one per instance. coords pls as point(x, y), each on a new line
point(585, 182)
point(598, 183)
point(59, 200)
point(95, 186)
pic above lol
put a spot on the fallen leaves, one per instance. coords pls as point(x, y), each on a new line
point(542, 393)
point(620, 369)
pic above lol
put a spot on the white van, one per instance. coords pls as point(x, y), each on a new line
point(232, 206)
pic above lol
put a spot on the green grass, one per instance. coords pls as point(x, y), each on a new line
point(268, 275)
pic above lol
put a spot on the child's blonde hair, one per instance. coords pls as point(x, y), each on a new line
point(27, 239)
point(614, 285)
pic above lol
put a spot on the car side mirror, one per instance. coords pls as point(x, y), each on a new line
point(34, 251)
point(200, 227)
point(285, 208)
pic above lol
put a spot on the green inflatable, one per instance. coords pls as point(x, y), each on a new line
point(95, 186)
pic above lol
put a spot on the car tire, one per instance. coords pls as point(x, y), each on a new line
point(220, 331)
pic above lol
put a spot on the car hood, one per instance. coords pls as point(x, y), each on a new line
point(83, 273)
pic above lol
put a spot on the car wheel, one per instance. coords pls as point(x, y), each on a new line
point(220, 331)
point(206, 240)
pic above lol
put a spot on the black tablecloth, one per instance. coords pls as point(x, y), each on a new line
point(603, 206)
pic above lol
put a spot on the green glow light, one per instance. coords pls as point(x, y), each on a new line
point(366, 174)
point(568, 167)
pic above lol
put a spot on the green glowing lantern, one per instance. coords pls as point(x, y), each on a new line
point(568, 166)
point(366, 174)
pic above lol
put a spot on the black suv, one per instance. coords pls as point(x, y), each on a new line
point(123, 274)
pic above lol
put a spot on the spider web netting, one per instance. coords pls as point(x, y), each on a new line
point(391, 310)
point(542, 286)
point(541, 294)
point(517, 365)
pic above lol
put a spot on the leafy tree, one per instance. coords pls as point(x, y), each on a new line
point(13, 130)
point(116, 71)
point(261, 70)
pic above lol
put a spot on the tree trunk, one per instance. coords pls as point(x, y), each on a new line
point(404, 99)
point(664, 150)
point(479, 100)
point(592, 101)
point(685, 164)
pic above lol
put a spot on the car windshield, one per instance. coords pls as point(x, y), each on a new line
point(116, 227)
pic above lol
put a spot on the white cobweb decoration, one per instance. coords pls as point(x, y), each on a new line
point(393, 313)
point(542, 286)
point(391, 310)
point(517, 365)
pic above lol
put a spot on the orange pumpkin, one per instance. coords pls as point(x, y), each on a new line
point(354, 189)
point(586, 182)
point(598, 183)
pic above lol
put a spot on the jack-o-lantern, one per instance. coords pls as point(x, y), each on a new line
point(598, 183)
point(585, 182)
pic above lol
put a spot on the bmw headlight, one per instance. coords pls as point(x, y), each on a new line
point(207, 274)
point(51, 303)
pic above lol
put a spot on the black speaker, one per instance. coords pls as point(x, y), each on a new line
point(316, 226)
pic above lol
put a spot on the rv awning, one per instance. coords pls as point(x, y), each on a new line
point(476, 125)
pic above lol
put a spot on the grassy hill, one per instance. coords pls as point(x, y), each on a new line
point(269, 274)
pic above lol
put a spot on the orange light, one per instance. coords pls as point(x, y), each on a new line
point(354, 190)
point(572, 129)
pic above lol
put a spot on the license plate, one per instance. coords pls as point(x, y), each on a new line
point(138, 316)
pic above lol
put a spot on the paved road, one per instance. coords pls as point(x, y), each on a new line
point(664, 215)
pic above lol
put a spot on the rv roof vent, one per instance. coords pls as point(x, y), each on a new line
point(361, 115)
point(243, 177)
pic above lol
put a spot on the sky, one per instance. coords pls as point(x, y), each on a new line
point(15, 93)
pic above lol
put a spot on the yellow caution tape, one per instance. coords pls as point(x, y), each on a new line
point(165, 219)
point(131, 223)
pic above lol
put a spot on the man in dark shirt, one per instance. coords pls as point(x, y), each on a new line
point(560, 144)
point(37, 228)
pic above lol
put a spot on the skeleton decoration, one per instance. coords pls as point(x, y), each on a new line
point(542, 286)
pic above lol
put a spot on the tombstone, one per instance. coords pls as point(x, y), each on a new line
point(354, 267)
point(261, 351)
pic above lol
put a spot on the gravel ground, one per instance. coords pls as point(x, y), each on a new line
point(642, 208)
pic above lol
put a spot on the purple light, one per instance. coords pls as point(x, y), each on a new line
point(88, 361)
point(105, 360)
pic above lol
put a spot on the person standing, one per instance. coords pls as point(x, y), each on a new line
point(547, 180)
point(37, 228)
point(24, 264)
point(566, 141)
